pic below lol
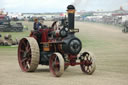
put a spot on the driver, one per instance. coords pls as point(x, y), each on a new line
point(37, 25)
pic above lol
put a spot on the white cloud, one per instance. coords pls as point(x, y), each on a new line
point(60, 5)
point(13, 3)
point(35, 5)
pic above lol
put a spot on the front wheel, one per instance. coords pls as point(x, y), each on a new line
point(56, 64)
point(88, 65)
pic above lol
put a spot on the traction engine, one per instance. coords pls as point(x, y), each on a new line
point(56, 46)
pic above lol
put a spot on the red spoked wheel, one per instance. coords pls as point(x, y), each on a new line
point(88, 65)
point(28, 54)
point(56, 64)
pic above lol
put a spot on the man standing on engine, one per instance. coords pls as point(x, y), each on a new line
point(37, 25)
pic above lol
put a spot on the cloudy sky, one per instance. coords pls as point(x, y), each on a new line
point(40, 6)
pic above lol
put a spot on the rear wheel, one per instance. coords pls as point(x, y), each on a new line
point(56, 64)
point(88, 63)
point(28, 54)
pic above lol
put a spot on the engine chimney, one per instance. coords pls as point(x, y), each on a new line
point(71, 14)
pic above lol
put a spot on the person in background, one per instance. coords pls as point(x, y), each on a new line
point(37, 25)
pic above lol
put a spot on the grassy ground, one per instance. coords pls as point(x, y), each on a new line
point(107, 42)
point(20, 34)
point(4, 50)
point(109, 45)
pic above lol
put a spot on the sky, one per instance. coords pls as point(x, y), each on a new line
point(41, 6)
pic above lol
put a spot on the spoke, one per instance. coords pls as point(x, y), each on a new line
point(29, 59)
point(91, 66)
point(23, 60)
point(24, 43)
point(22, 51)
point(27, 46)
point(57, 67)
point(85, 68)
point(26, 66)
point(29, 53)
point(57, 63)
point(88, 69)
point(53, 64)
point(28, 50)
point(55, 58)
point(87, 57)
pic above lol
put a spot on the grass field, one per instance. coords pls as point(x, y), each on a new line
point(107, 42)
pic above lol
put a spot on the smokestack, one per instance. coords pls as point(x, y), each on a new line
point(71, 15)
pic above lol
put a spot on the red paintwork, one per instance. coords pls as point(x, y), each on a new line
point(72, 56)
point(57, 34)
point(73, 63)
point(2, 16)
point(45, 39)
point(32, 35)
point(119, 14)
point(44, 35)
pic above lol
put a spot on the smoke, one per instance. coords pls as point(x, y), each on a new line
point(94, 5)
point(80, 4)
point(77, 2)
point(125, 5)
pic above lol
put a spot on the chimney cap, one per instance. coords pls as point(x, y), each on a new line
point(70, 7)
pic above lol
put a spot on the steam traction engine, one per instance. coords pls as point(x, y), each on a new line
point(57, 47)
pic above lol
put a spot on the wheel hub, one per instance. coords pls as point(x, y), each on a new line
point(87, 63)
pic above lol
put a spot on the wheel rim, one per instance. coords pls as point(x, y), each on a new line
point(56, 64)
point(88, 64)
point(28, 54)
